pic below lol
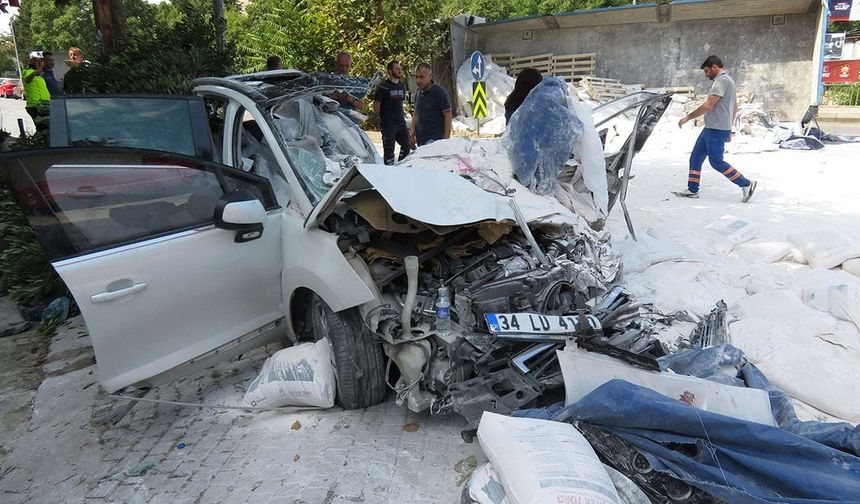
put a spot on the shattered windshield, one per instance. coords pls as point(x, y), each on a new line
point(321, 142)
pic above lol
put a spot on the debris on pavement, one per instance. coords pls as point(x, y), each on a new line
point(540, 461)
point(300, 375)
point(465, 467)
point(585, 372)
point(57, 310)
point(658, 441)
point(141, 469)
point(826, 248)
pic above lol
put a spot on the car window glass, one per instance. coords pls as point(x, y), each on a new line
point(84, 199)
point(320, 142)
point(216, 110)
point(157, 124)
point(256, 155)
point(103, 205)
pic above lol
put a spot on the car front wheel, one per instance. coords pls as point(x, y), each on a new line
point(358, 358)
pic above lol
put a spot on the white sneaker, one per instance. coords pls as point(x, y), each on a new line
point(748, 191)
point(686, 193)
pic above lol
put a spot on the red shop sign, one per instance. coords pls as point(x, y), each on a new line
point(840, 71)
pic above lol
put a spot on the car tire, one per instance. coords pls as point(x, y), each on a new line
point(358, 358)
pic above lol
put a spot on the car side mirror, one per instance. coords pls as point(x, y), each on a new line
point(240, 211)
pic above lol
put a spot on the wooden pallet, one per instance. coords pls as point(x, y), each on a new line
point(603, 90)
point(573, 67)
point(683, 90)
point(541, 62)
point(502, 59)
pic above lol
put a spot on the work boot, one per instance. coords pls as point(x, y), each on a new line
point(686, 193)
point(748, 191)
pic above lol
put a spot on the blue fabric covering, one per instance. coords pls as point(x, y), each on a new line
point(706, 363)
point(842, 436)
point(737, 461)
point(541, 136)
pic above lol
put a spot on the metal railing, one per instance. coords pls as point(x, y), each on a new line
point(847, 95)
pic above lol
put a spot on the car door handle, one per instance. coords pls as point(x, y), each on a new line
point(104, 297)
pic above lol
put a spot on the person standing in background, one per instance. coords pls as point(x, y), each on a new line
point(719, 111)
point(432, 120)
point(388, 105)
point(50, 79)
point(33, 80)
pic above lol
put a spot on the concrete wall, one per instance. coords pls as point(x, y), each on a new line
point(771, 62)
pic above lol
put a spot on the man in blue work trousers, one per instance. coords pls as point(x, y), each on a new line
point(719, 111)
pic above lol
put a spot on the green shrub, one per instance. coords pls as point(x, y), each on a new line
point(180, 45)
point(843, 94)
point(25, 273)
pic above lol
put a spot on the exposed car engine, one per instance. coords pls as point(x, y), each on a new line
point(487, 268)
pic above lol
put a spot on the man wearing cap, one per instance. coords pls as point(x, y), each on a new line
point(36, 90)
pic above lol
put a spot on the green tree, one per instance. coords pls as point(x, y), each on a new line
point(168, 45)
point(307, 34)
point(496, 10)
point(7, 56)
point(43, 25)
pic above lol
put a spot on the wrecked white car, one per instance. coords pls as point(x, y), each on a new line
point(194, 228)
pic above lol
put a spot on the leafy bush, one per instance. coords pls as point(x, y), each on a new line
point(25, 273)
point(843, 94)
point(179, 44)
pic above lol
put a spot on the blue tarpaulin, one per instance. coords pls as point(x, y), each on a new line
point(710, 362)
point(541, 135)
point(737, 461)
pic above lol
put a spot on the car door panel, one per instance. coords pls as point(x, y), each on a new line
point(157, 283)
point(200, 290)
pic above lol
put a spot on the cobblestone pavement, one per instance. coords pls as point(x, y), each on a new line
point(63, 455)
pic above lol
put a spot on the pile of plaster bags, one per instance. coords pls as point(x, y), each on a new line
point(707, 428)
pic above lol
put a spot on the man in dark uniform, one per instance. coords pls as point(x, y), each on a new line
point(388, 105)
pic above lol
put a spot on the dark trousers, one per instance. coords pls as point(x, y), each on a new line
point(39, 119)
point(398, 133)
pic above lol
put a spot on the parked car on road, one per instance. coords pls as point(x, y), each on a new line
point(190, 229)
point(11, 88)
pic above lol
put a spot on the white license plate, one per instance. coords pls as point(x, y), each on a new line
point(535, 323)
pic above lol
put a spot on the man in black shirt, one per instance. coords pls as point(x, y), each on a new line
point(388, 105)
point(432, 120)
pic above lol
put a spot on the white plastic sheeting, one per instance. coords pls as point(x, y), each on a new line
point(583, 372)
point(487, 163)
point(499, 86)
point(588, 151)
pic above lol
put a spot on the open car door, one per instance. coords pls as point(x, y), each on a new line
point(168, 257)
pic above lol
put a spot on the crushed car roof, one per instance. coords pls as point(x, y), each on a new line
point(272, 87)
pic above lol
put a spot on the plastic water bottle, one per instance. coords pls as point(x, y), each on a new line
point(443, 311)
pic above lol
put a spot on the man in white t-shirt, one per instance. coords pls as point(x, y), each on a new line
point(719, 111)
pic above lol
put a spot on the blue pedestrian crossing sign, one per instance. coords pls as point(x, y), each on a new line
point(477, 65)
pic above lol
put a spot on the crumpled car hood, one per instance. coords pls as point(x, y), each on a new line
point(439, 198)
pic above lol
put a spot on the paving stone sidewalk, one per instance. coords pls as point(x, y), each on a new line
point(230, 456)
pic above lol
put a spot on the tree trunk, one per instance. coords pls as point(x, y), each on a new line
point(110, 24)
point(221, 23)
point(378, 11)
